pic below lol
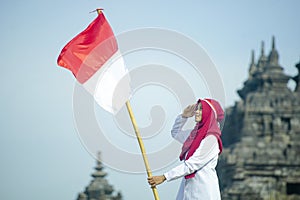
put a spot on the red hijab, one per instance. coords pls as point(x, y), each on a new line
point(212, 115)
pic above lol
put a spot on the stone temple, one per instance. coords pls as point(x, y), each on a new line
point(261, 135)
point(99, 188)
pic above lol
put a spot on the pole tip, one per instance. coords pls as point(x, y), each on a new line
point(98, 10)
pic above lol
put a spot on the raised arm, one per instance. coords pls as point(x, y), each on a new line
point(177, 132)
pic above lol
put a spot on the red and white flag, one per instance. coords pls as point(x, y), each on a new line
point(96, 62)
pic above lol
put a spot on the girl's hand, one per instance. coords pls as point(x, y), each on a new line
point(189, 111)
point(156, 180)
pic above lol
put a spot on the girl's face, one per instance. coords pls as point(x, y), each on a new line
point(198, 113)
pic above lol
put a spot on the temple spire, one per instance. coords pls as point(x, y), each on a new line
point(263, 59)
point(262, 48)
point(99, 168)
point(273, 42)
point(266, 75)
point(252, 68)
point(252, 57)
point(273, 57)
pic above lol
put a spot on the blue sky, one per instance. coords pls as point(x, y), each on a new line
point(41, 154)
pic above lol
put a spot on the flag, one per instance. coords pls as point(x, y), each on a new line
point(95, 60)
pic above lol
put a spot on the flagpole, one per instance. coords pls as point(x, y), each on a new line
point(141, 144)
point(138, 136)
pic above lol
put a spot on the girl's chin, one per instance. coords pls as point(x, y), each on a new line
point(197, 120)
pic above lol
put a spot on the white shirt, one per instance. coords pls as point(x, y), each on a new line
point(205, 184)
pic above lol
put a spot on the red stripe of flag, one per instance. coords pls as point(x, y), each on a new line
point(89, 50)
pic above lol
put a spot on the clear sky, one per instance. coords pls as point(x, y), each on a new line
point(42, 156)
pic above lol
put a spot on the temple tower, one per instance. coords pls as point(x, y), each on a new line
point(262, 136)
point(99, 188)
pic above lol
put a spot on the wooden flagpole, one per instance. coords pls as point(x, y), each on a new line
point(141, 144)
point(138, 136)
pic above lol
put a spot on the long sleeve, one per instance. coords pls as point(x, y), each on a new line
point(177, 132)
point(207, 150)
